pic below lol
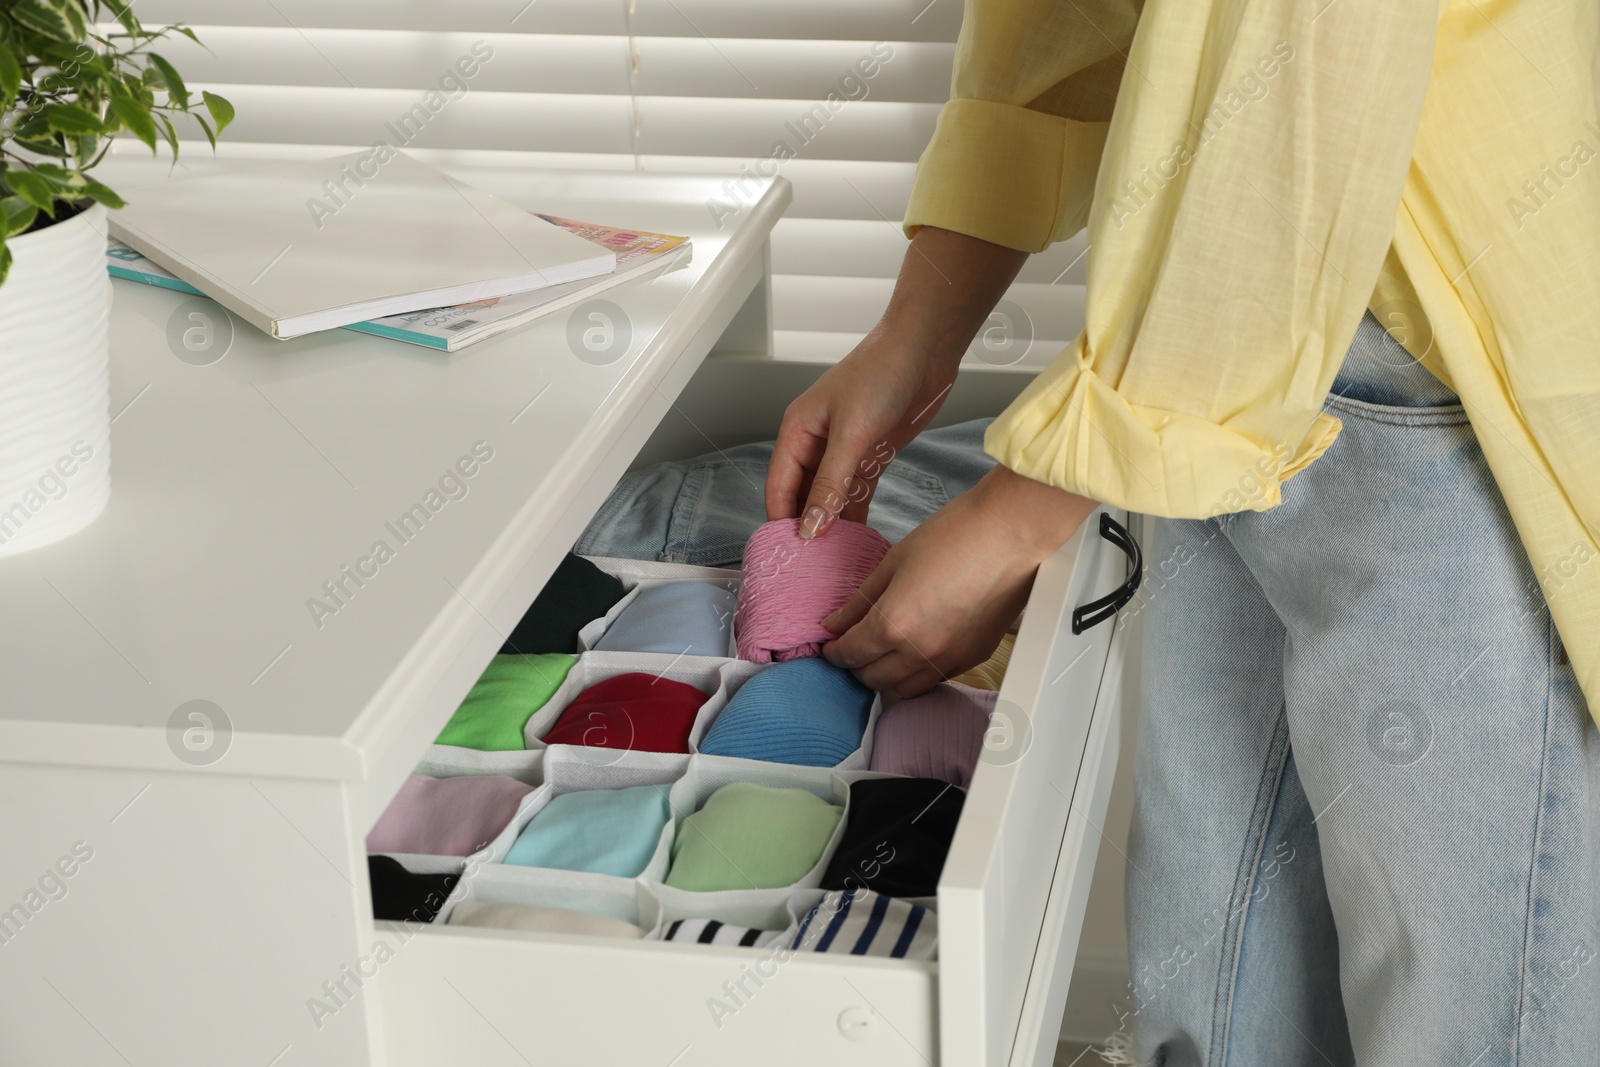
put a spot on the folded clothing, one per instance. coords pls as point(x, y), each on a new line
point(602, 831)
point(447, 816)
point(399, 894)
point(680, 618)
point(805, 711)
point(937, 735)
point(897, 837)
point(576, 594)
point(716, 932)
point(540, 920)
point(749, 836)
point(503, 699)
point(992, 671)
point(791, 584)
point(859, 922)
point(703, 510)
point(642, 712)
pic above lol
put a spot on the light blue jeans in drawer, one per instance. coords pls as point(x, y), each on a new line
point(702, 510)
point(1367, 788)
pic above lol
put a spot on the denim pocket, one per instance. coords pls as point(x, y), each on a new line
point(1450, 414)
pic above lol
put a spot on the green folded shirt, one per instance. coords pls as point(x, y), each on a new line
point(505, 697)
point(749, 836)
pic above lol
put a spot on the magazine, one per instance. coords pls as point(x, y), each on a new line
point(451, 328)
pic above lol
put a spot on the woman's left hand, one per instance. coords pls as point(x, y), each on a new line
point(942, 599)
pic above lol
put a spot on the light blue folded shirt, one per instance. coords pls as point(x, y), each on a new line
point(602, 831)
point(683, 618)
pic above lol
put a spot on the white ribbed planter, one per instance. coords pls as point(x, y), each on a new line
point(55, 418)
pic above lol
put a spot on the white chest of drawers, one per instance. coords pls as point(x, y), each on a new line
point(217, 881)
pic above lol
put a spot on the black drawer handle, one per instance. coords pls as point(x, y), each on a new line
point(1098, 611)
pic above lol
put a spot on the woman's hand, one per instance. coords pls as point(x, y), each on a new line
point(942, 599)
point(838, 436)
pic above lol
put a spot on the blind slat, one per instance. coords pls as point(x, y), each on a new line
point(429, 16)
point(901, 71)
point(516, 121)
point(774, 130)
point(364, 59)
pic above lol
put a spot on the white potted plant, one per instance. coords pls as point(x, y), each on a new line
point(73, 73)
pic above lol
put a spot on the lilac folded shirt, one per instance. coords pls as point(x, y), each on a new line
point(447, 816)
point(936, 735)
point(790, 584)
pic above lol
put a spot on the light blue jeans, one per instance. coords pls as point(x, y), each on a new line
point(702, 510)
point(1367, 788)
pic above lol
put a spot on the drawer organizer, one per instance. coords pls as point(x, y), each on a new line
point(687, 780)
point(1008, 908)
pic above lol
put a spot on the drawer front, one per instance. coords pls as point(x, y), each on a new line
point(1012, 861)
point(500, 999)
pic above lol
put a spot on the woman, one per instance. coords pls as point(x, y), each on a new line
point(1342, 315)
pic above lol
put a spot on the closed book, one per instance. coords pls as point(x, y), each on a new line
point(297, 247)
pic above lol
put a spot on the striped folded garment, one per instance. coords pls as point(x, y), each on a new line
point(716, 932)
point(859, 922)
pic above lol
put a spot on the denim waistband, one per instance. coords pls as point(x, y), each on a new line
point(1378, 370)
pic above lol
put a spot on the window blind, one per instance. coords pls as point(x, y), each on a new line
point(838, 96)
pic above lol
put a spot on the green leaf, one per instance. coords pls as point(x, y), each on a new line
point(135, 117)
point(168, 131)
point(42, 146)
point(5, 262)
point(16, 215)
point(186, 31)
point(206, 126)
point(71, 119)
point(10, 74)
point(32, 188)
point(125, 15)
point(221, 110)
point(51, 18)
point(84, 148)
point(104, 195)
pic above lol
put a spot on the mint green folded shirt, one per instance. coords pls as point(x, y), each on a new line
point(748, 836)
point(602, 831)
point(506, 695)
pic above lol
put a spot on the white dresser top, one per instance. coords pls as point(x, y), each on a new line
point(241, 487)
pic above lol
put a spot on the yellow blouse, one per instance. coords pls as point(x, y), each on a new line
point(1254, 175)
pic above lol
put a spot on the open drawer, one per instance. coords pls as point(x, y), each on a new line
point(1010, 904)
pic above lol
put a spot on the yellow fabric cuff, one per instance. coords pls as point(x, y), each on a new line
point(1072, 429)
point(1006, 174)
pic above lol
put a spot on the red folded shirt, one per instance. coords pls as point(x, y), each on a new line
point(642, 712)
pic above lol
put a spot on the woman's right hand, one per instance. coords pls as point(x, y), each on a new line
point(838, 436)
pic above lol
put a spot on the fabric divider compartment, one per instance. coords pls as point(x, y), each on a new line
point(702, 672)
point(569, 769)
point(637, 574)
point(448, 761)
point(763, 908)
point(422, 863)
point(735, 675)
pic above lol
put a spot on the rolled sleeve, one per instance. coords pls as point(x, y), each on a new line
point(1073, 429)
point(1015, 151)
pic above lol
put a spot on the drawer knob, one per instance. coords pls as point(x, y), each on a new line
point(858, 1023)
point(1098, 611)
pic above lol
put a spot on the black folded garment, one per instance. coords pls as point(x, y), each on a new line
point(576, 594)
point(400, 894)
point(896, 836)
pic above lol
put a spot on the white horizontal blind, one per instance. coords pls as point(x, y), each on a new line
point(663, 85)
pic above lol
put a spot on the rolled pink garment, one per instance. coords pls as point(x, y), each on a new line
point(790, 584)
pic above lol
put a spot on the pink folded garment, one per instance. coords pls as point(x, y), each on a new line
point(790, 584)
point(936, 735)
point(447, 816)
